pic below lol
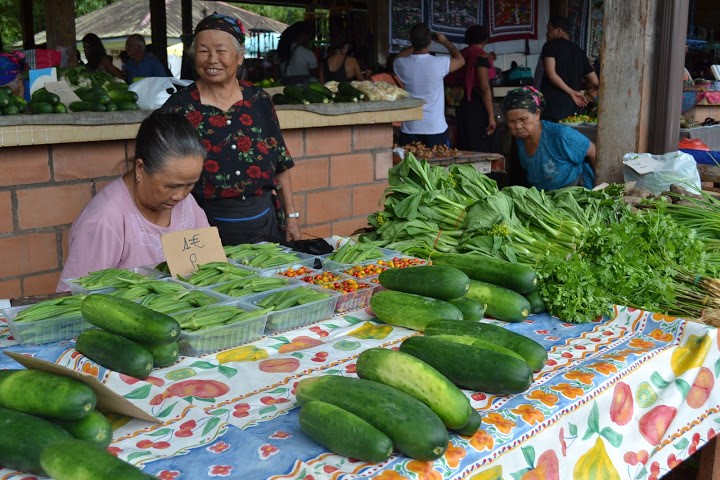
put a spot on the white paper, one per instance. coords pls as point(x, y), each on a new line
point(62, 90)
point(643, 164)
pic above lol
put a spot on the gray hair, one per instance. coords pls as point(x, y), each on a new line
point(240, 48)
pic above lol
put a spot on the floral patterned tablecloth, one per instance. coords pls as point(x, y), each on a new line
point(625, 397)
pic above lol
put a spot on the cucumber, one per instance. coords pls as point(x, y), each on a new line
point(42, 95)
point(533, 353)
point(20, 102)
point(344, 433)
point(129, 319)
point(280, 99)
point(537, 304)
point(477, 342)
point(411, 311)
point(502, 303)
point(416, 378)
point(4, 100)
point(295, 93)
point(111, 107)
point(164, 354)
point(414, 429)
point(127, 106)
point(344, 88)
point(23, 437)
point(515, 276)
point(10, 110)
point(93, 427)
point(96, 97)
point(86, 107)
point(472, 425)
point(441, 282)
point(79, 460)
point(314, 97)
point(320, 88)
point(471, 367)
point(115, 352)
point(117, 95)
point(45, 394)
point(39, 107)
point(60, 108)
point(340, 98)
point(472, 310)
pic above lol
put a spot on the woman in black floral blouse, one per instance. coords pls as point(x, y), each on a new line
point(247, 161)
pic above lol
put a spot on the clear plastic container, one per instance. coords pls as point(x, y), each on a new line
point(298, 316)
point(222, 337)
point(360, 298)
point(387, 253)
point(44, 331)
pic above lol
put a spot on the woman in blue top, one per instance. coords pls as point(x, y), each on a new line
point(553, 155)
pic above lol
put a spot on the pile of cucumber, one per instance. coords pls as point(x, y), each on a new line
point(11, 104)
point(49, 426)
point(116, 97)
point(42, 101)
point(131, 338)
point(316, 92)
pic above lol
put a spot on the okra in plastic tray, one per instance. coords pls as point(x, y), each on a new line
point(244, 252)
point(351, 253)
point(47, 321)
point(181, 301)
point(253, 284)
point(288, 311)
point(109, 278)
point(215, 273)
point(218, 327)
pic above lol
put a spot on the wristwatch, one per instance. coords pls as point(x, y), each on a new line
point(293, 215)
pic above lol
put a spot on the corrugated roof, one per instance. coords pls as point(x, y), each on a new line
point(126, 17)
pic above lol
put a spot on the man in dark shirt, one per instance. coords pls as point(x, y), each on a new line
point(565, 68)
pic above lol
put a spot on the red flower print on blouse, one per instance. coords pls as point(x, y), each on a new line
point(266, 175)
point(228, 193)
point(271, 142)
point(262, 148)
point(244, 143)
point(246, 119)
point(206, 144)
point(217, 121)
point(212, 166)
point(194, 117)
point(208, 190)
point(195, 94)
point(254, 171)
point(216, 149)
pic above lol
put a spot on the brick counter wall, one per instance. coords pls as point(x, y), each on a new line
point(339, 178)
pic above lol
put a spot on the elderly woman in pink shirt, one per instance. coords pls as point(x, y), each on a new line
point(122, 225)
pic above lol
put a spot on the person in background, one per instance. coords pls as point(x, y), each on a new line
point(245, 186)
point(298, 62)
point(422, 76)
point(141, 64)
point(475, 115)
point(553, 155)
point(122, 225)
point(96, 56)
point(339, 66)
point(565, 69)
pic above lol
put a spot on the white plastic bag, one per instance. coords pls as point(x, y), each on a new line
point(154, 91)
point(656, 173)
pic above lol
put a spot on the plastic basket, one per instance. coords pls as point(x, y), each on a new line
point(222, 337)
point(290, 282)
point(298, 316)
point(44, 331)
point(353, 300)
point(304, 259)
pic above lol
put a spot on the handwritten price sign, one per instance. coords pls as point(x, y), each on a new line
point(186, 250)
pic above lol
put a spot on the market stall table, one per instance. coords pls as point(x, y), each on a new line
point(700, 105)
point(628, 396)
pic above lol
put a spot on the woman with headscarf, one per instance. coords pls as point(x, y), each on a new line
point(245, 186)
point(553, 155)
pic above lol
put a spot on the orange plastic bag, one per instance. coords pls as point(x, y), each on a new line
point(692, 144)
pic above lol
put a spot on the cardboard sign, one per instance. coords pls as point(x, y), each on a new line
point(41, 76)
point(643, 163)
point(62, 90)
point(106, 398)
point(186, 250)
